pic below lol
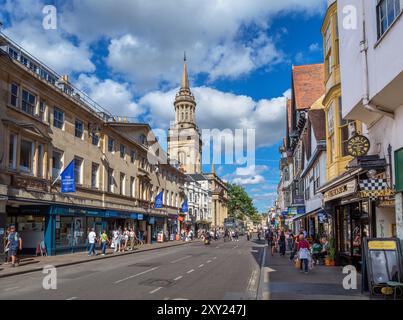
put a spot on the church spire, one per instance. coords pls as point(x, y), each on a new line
point(185, 79)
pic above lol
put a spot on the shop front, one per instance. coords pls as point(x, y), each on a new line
point(172, 227)
point(64, 229)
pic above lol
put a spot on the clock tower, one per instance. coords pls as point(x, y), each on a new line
point(184, 142)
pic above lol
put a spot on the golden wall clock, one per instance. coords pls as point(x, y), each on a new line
point(358, 146)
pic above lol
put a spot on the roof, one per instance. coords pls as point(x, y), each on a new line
point(197, 177)
point(308, 84)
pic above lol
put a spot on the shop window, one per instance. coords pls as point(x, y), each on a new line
point(26, 155)
point(57, 163)
point(70, 232)
point(28, 102)
point(78, 170)
point(346, 229)
point(12, 153)
point(14, 95)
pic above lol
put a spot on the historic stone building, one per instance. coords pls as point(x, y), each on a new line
point(184, 141)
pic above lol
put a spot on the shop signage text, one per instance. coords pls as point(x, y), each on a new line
point(341, 191)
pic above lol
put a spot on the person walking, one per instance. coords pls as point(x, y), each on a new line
point(14, 243)
point(290, 240)
point(92, 238)
point(282, 244)
point(303, 253)
point(104, 241)
point(133, 239)
point(115, 241)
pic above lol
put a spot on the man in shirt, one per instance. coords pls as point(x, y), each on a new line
point(14, 242)
point(92, 237)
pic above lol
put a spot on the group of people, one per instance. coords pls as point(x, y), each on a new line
point(119, 240)
point(306, 252)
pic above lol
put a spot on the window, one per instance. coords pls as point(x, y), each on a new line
point(122, 184)
point(143, 139)
point(39, 167)
point(399, 170)
point(12, 155)
point(26, 155)
point(42, 110)
point(58, 118)
point(316, 177)
point(94, 176)
point(330, 128)
point(387, 12)
point(111, 181)
point(79, 129)
point(14, 95)
point(132, 156)
point(111, 145)
point(28, 102)
point(132, 187)
point(122, 151)
point(95, 139)
point(57, 164)
point(78, 170)
point(13, 54)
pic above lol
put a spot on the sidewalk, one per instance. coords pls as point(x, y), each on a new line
point(32, 264)
point(280, 280)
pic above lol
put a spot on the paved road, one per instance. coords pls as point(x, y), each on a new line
point(229, 270)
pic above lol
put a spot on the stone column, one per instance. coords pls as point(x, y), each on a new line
point(399, 215)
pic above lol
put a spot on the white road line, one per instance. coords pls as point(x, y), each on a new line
point(154, 291)
point(178, 278)
point(180, 259)
point(136, 275)
point(190, 271)
point(12, 288)
point(72, 298)
point(215, 258)
point(201, 266)
point(208, 261)
point(218, 247)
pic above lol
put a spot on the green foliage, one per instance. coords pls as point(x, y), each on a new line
point(240, 204)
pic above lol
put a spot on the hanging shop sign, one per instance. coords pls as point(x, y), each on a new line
point(341, 191)
point(358, 146)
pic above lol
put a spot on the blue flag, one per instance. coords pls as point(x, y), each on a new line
point(185, 208)
point(159, 200)
point(67, 177)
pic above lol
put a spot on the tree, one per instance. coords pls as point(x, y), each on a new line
point(240, 204)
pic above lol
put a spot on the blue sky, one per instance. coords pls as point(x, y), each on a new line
point(127, 55)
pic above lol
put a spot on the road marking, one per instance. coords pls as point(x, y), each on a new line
point(180, 259)
point(218, 247)
point(72, 298)
point(136, 275)
point(201, 266)
point(208, 261)
point(215, 258)
point(190, 271)
point(178, 278)
point(154, 291)
point(12, 288)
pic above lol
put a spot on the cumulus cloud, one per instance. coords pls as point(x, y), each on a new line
point(222, 110)
point(114, 96)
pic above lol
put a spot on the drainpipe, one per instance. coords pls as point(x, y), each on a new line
point(364, 54)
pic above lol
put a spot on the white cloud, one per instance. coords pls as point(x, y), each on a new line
point(50, 46)
point(251, 170)
point(249, 180)
point(314, 47)
point(222, 110)
point(113, 96)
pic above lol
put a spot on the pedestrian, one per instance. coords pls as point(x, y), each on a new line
point(14, 242)
point(126, 236)
point(303, 253)
point(133, 239)
point(282, 244)
point(92, 239)
point(316, 251)
point(145, 236)
point(104, 241)
point(115, 240)
point(273, 242)
point(290, 240)
point(5, 241)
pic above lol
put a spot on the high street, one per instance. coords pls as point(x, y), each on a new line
point(223, 270)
